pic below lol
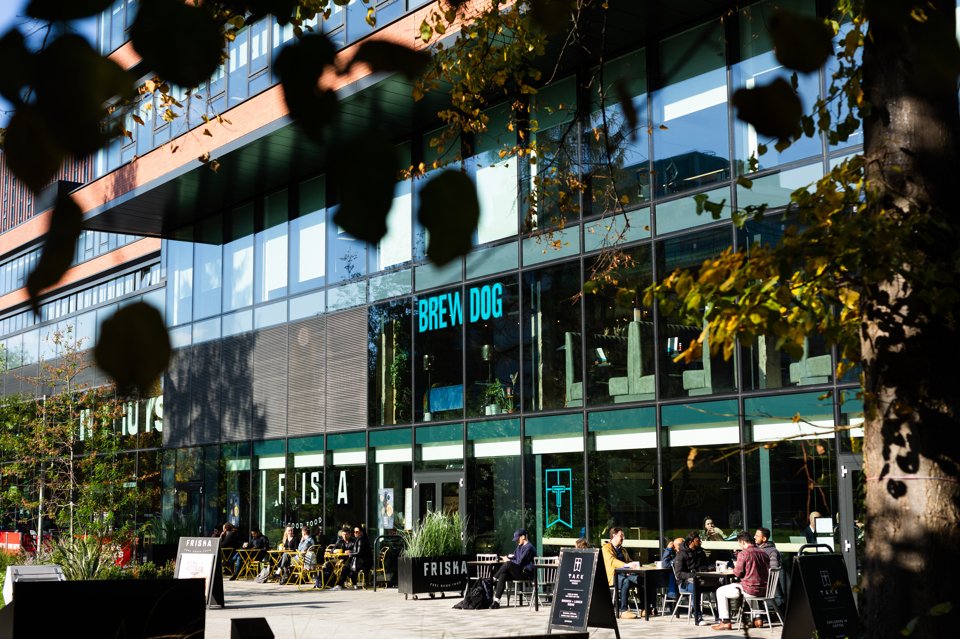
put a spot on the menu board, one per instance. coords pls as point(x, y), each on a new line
point(199, 557)
point(821, 599)
point(581, 597)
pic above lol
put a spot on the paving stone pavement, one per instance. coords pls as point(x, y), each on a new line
point(385, 614)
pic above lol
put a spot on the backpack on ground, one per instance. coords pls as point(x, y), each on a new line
point(478, 597)
point(263, 576)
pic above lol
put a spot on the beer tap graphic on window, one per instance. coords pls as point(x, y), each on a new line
point(558, 483)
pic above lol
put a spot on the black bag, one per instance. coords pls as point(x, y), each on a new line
point(478, 597)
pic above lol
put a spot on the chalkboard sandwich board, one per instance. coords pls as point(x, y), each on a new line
point(581, 597)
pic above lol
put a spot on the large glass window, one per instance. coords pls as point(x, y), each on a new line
point(552, 342)
point(304, 485)
point(346, 481)
point(705, 373)
point(438, 347)
point(620, 357)
point(208, 274)
point(617, 156)
point(270, 487)
point(494, 484)
point(396, 247)
point(624, 487)
point(271, 252)
point(496, 178)
point(389, 379)
point(701, 472)
point(238, 63)
point(555, 481)
point(759, 67)
point(691, 143)
point(769, 366)
point(179, 282)
point(439, 448)
point(391, 481)
point(493, 346)
point(790, 466)
point(556, 167)
point(347, 257)
point(238, 260)
point(308, 238)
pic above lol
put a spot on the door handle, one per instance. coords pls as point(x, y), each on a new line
point(846, 545)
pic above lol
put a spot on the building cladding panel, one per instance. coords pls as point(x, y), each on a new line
point(205, 393)
point(306, 390)
point(18, 203)
point(236, 388)
point(177, 429)
point(270, 383)
point(347, 356)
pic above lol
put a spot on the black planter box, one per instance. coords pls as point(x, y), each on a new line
point(417, 575)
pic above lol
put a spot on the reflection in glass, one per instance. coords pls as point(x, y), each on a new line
point(624, 488)
point(269, 485)
point(620, 357)
point(691, 147)
point(438, 350)
point(706, 373)
point(304, 488)
point(346, 481)
point(179, 260)
point(308, 238)
point(390, 363)
point(347, 256)
point(616, 164)
point(271, 250)
point(759, 67)
point(556, 167)
point(793, 462)
point(555, 488)
point(493, 477)
point(391, 481)
point(493, 338)
point(552, 343)
point(238, 261)
point(701, 470)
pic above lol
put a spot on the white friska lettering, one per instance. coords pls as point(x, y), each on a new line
point(199, 543)
point(444, 568)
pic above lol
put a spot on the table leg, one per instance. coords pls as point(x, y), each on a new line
point(646, 609)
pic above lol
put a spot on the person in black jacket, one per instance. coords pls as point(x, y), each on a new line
point(689, 560)
point(361, 554)
point(230, 541)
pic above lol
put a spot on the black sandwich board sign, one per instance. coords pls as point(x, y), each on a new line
point(581, 597)
point(199, 557)
point(821, 600)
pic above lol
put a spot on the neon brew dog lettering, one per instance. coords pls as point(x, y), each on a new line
point(442, 311)
point(444, 568)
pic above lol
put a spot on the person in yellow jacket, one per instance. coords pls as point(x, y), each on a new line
point(616, 556)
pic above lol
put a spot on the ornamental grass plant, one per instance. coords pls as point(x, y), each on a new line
point(437, 535)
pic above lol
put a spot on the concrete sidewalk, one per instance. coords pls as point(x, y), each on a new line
point(385, 614)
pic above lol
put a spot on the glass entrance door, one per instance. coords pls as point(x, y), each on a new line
point(188, 508)
point(439, 491)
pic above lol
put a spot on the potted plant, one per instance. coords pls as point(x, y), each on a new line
point(433, 558)
point(496, 399)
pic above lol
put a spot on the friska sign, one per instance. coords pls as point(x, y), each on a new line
point(446, 310)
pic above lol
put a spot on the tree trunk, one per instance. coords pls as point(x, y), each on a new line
point(909, 333)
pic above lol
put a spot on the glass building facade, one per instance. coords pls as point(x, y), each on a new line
point(318, 380)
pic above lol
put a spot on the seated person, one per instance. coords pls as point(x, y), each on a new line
point(229, 541)
point(616, 556)
point(289, 542)
point(341, 546)
point(691, 559)
point(752, 568)
point(257, 542)
point(361, 554)
point(517, 566)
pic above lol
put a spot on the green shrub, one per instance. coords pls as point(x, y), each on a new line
point(82, 558)
point(114, 571)
point(438, 534)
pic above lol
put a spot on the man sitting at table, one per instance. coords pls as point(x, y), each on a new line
point(257, 542)
point(691, 559)
point(515, 567)
point(752, 568)
point(616, 556)
point(340, 547)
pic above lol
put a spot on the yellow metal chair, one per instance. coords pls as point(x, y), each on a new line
point(381, 567)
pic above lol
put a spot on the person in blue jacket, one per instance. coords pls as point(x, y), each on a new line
point(517, 566)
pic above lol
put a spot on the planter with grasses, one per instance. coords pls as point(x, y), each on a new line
point(433, 559)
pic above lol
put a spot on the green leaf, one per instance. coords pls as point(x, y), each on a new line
point(30, 149)
point(59, 245)
point(426, 31)
point(366, 177)
point(774, 110)
point(389, 57)
point(299, 67)
point(449, 210)
point(134, 348)
point(181, 43)
point(17, 63)
point(801, 43)
point(54, 10)
point(745, 182)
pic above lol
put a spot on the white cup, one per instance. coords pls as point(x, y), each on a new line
point(658, 564)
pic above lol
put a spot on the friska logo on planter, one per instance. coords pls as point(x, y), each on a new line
point(446, 310)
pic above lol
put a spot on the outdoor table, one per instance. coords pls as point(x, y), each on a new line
point(276, 555)
point(644, 571)
point(336, 560)
point(248, 559)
